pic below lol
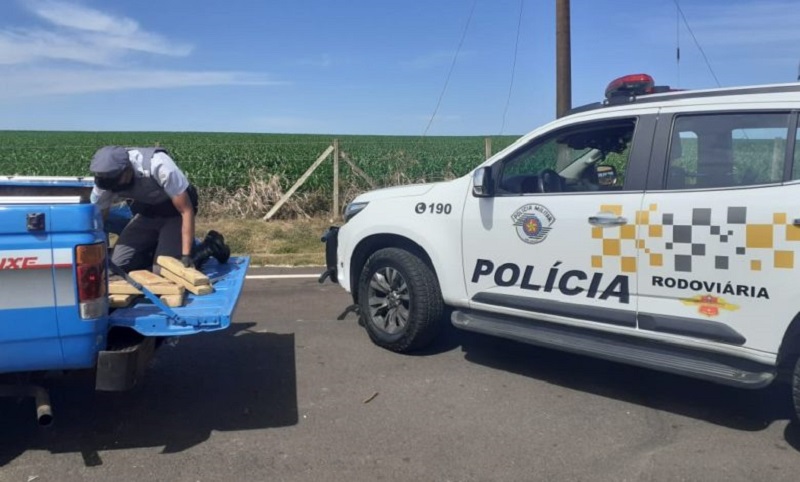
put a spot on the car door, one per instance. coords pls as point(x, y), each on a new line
point(722, 246)
point(556, 239)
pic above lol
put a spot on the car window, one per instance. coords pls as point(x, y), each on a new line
point(796, 164)
point(683, 160)
point(727, 150)
point(589, 157)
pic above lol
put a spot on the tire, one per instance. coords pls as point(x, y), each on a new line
point(400, 301)
point(796, 389)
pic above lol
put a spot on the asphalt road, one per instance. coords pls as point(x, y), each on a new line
point(291, 393)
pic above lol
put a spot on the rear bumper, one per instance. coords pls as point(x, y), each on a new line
point(331, 240)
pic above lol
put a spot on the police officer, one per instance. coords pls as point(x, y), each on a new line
point(163, 201)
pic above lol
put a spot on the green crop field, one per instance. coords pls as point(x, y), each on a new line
point(243, 175)
point(228, 161)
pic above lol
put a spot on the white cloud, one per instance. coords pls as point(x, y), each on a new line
point(82, 18)
point(28, 47)
point(291, 124)
point(433, 59)
point(83, 35)
point(323, 61)
point(447, 118)
point(762, 24)
point(34, 82)
point(76, 49)
point(766, 29)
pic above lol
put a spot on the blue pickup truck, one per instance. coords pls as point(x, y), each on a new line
point(54, 309)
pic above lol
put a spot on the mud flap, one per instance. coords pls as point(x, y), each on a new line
point(120, 370)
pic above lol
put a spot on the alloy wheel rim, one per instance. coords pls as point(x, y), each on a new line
point(389, 300)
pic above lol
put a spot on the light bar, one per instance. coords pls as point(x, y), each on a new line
point(635, 84)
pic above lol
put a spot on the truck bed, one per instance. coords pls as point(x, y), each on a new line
point(35, 186)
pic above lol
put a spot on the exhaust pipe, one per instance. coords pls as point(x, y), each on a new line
point(44, 412)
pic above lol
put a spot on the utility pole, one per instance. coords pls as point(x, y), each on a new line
point(563, 59)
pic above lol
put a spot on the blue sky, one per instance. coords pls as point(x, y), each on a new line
point(357, 66)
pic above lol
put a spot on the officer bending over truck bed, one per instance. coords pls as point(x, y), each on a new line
point(164, 204)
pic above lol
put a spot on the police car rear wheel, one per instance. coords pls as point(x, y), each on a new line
point(796, 388)
point(400, 301)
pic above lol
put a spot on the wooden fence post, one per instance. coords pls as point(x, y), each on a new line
point(487, 147)
point(336, 179)
point(298, 183)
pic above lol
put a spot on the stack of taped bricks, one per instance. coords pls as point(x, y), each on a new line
point(170, 286)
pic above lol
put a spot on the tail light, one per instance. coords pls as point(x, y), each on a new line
point(90, 272)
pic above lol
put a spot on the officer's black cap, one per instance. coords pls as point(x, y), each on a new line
point(109, 161)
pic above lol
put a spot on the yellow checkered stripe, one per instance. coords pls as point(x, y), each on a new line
point(621, 247)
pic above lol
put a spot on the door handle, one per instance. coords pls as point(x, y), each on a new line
point(607, 219)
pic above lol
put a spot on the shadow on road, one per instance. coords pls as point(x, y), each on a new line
point(448, 339)
point(740, 409)
point(792, 434)
point(236, 379)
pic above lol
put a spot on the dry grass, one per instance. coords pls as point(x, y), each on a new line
point(283, 243)
point(255, 200)
point(292, 236)
point(264, 191)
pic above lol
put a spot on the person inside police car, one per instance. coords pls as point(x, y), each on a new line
point(164, 204)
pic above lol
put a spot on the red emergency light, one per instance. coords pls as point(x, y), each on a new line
point(626, 88)
point(635, 84)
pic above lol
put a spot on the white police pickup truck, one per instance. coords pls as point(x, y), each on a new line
point(659, 228)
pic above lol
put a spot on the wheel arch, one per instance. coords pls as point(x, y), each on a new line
point(369, 245)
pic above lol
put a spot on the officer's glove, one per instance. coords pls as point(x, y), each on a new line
point(187, 261)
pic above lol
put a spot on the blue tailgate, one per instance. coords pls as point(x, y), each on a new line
point(199, 314)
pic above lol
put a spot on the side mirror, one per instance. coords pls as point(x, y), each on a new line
point(606, 175)
point(482, 185)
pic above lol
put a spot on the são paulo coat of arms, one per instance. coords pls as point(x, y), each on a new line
point(533, 222)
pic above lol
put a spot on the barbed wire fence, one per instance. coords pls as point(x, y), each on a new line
point(246, 177)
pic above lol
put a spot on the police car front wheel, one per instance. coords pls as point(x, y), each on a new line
point(796, 388)
point(400, 301)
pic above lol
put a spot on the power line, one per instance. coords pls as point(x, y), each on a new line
point(686, 22)
point(513, 67)
point(452, 66)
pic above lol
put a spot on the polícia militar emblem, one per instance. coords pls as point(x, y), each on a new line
point(533, 222)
